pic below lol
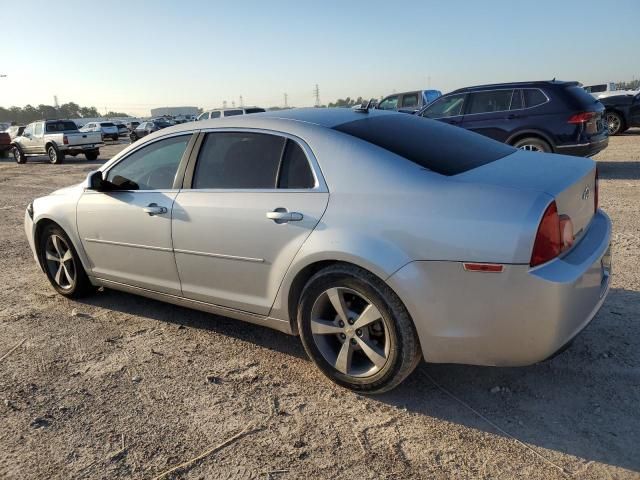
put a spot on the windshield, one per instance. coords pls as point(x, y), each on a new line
point(61, 126)
point(437, 146)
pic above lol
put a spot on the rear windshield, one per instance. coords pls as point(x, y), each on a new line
point(431, 144)
point(581, 95)
point(61, 126)
point(107, 124)
point(253, 110)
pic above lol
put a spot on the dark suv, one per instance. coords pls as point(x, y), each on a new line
point(544, 116)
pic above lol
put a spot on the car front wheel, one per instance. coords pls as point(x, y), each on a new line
point(18, 155)
point(61, 263)
point(356, 329)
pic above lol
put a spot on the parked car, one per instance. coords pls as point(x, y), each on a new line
point(409, 102)
point(106, 129)
point(56, 139)
point(621, 112)
point(358, 230)
point(5, 142)
point(122, 129)
point(15, 131)
point(145, 128)
point(604, 90)
point(228, 112)
point(132, 125)
point(544, 116)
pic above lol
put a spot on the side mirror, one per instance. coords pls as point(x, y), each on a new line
point(94, 181)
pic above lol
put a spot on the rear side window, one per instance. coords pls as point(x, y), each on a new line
point(295, 171)
point(516, 100)
point(410, 100)
point(437, 146)
point(533, 97)
point(38, 130)
point(492, 101)
point(215, 114)
point(238, 160)
point(254, 110)
point(232, 113)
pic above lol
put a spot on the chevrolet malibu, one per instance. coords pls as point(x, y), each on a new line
point(379, 238)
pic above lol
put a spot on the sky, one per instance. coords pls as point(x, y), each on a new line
point(133, 56)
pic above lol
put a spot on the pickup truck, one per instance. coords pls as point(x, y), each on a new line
point(55, 138)
point(621, 112)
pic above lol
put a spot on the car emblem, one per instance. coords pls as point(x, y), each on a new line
point(586, 193)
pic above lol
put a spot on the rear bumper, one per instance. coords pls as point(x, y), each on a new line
point(80, 148)
point(583, 149)
point(518, 317)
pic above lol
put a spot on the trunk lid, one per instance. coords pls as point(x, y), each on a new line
point(570, 180)
point(83, 138)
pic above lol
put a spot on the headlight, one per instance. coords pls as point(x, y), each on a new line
point(30, 210)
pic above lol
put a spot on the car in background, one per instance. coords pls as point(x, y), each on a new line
point(145, 128)
point(106, 129)
point(228, 112)
point(5, 142)
point(604, 90)
point(15, 131)
point(56, 139)
point(122, 129)
point(542, 116)
point(621, 112)
point(408, 102)
point(358, 230)
point(132, 125)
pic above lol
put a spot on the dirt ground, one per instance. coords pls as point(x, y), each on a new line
point(118, 386)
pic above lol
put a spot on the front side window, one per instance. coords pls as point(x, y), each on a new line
point(492, 101)
point(449, 106)
point(153, 167)
point(38, 130)
point(28, 130)
point(204, 116)
point(238, 160)
point(389, 103)
point(410, 100)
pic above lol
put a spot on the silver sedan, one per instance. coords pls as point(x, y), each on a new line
point(379, 238)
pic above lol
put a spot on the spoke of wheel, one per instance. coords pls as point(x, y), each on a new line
point(66, 274)
point(368, 315)
point(322, 327)
point(337, 300)
point(56, 245)
point(370, 351)
point(67, 256)
point(343, 362)
point(58, 276)
point(52, 257)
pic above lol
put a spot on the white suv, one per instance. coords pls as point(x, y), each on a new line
point(228, 112)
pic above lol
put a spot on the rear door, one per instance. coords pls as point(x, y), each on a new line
point(448, 109)
point(488, 113)
point(635, 112)
point(126, 233)
point(253, 200)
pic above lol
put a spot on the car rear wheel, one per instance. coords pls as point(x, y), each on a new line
point(92, 155)
point(133, 137)
point(18, 155)
point(61, 263)
point(533, 144)
point(55, 156)
point(615, 123)
point(356, 330)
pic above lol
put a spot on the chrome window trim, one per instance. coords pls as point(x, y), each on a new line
point(320, 185)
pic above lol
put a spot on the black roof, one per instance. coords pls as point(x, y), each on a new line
point(534, 83)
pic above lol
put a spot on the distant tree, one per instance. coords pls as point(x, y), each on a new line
point(632, 85)
point(89, 112)
point(117, 114)
point(29, 113)
point(346, 102)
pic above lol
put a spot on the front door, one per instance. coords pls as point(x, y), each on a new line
point(254, 200)
point(448, 109)
point(126, 232)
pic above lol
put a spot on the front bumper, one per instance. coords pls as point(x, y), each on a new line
point(583, 149)
point(518, 317)
point(29, 232)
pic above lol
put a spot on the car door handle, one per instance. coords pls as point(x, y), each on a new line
point(154, 209)
point(281, 215)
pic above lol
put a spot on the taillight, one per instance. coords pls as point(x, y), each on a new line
point(547, 244)
point(595, 194)
point(65, 140)
point(581, 117)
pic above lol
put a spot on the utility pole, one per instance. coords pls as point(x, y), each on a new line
point(55, 102)
point(286, 105)
point(316, 93)
point(241, 101)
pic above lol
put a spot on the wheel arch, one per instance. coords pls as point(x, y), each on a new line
point(531, 133)
point(39, 227)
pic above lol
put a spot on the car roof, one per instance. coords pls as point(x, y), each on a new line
point(535, 83)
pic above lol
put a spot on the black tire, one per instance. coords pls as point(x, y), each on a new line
point(80, 285)
point(402, 352)
point(615, 123)
point(18, 155)
point(133, 137)
point(92, 155)
point(534, 144)
point(56, 157)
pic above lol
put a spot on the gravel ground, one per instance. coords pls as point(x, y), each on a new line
point(118, 386)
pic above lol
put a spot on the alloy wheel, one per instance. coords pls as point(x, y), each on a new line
point(60, 262)
point(350, 332)
point(530, 148)
point(52, 154)
point(613, 123)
